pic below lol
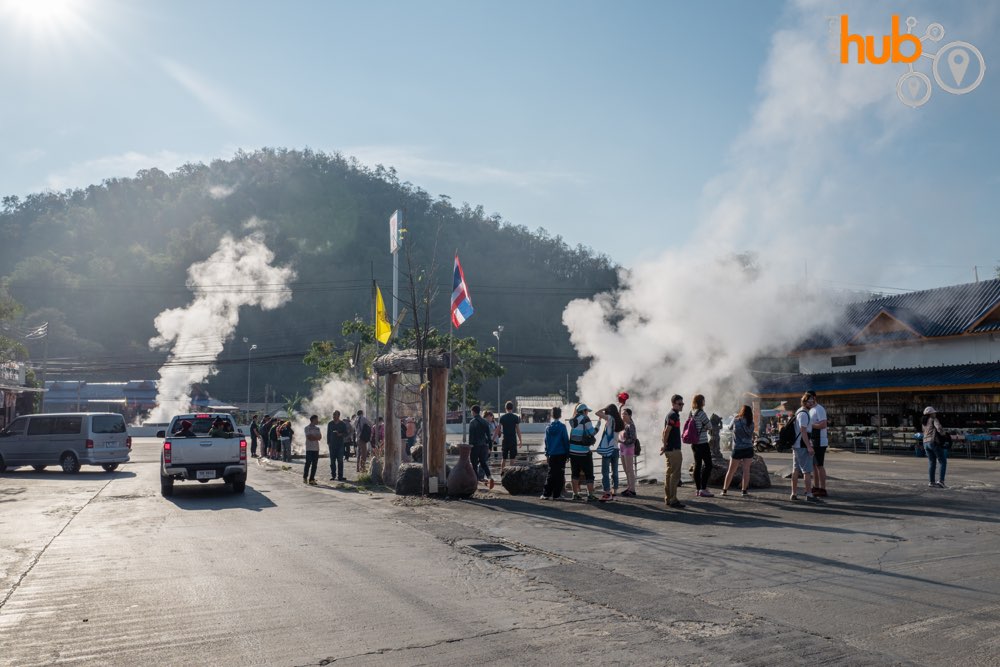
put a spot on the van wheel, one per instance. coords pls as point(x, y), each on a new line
point(70, 464)
point(239, 485)
point(109, 467)
point(38, 468)
point(167, 486)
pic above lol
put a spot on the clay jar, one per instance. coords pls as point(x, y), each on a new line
point(462, 481)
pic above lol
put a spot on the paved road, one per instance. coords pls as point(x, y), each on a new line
point(98, 568)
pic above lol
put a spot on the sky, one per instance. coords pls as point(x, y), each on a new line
point(633, 127)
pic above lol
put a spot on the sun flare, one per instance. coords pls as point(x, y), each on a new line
point(41, 15)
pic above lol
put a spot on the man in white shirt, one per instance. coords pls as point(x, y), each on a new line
point(802, 450)
point(817, 423)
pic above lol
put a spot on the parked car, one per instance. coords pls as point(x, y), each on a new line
point(69, 440)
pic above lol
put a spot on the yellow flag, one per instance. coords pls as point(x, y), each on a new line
point(382, 327)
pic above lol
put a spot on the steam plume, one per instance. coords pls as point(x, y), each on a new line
point(238, 274)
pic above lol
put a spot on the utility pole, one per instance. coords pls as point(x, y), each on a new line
point(496, 334)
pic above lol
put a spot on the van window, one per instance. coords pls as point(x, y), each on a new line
point(55, 426)
point(108, 424)
point(16, 427)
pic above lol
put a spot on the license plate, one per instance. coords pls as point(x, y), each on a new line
point(111, 444)
point(206, 474)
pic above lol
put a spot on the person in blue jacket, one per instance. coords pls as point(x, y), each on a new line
point(556, 453)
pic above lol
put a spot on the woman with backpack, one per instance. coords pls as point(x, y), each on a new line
point(742, 450)
point(934, 445)
point(696, 433)
point(627, 442)
point(581, 436)
point(607, 447)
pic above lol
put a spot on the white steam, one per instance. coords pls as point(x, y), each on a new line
point(344, 394)
point(692, 320)
point(238, 273)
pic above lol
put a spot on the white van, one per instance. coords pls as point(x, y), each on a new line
point(68, 440)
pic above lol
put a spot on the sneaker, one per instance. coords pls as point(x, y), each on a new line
point(312, 482)
point(723, 492)
point(544, 498)
point(577, 496)
point(677, 505)
point(793, 497)
point(933, 485)
point(606, 497)
point(705, 493)
point(810, 496)
point(305, 481)
point(744, 493)
point(941, 485)
point(341, 479)
point(591, 497)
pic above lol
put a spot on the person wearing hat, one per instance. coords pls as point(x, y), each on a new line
point(934, 446)
point(581, 462)
point(185, 430)
point(218, 429)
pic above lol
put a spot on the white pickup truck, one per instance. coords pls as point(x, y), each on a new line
point(198, 456)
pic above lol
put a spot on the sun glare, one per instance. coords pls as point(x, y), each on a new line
point(42, 15)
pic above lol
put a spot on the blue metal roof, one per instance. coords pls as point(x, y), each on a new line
point(940, 376)
point(944, 311)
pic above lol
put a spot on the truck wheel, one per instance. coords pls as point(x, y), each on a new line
point(239, 485)
point(38, 468)
point(109, 467)
point(70, 464)
point(167, 486)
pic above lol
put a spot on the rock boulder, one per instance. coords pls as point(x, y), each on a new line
point(410, 480)
point(523, 480)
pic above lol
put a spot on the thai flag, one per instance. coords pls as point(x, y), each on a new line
point(461, 303)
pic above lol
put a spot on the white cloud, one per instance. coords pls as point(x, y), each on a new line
point(220, 191)
point(413, 163)
point(126, 164)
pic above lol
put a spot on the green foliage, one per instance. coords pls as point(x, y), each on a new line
point(10, 348)
point(103, 261)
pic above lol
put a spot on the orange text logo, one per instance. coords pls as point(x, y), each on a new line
point(868, 51)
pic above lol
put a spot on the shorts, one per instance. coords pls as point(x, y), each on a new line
point(742, 453)
point(803, 460)
point(582, 465)
point(627, 450)
point(508, 450)
point(819, 453)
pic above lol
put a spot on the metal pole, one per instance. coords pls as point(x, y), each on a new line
point(45, 367)
point(878, 420)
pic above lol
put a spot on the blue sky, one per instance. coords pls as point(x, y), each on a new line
point(633, 127)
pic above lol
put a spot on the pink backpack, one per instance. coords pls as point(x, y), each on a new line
point(690, 433)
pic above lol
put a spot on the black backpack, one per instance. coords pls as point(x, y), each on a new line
point(366, 432)
point(786, 436)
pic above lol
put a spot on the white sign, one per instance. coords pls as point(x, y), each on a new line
point(395, 240)
point(13, 372)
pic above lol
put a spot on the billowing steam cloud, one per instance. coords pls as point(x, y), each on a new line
point(238, 274)
point(336, 393)
point(692, 320)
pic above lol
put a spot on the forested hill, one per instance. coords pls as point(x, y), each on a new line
point(100, 263)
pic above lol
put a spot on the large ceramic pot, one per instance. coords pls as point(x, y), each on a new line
point(462, 481)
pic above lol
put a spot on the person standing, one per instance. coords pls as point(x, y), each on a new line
point(581, 437)
point(285, 432)
point(802, 450)
point(626, 445)
point(607, 447)
point(491, 419)
point(410, 435)
point(510, 428)
point(818, 435)
point(671, 448)
point(273, 439)
point(556, 453)
point(697, 431)
point(254, 436)
point(363, 429)
point(336, 437)
point(313, 436)
point(479, 439)
point(935, 446)
point(742, 450)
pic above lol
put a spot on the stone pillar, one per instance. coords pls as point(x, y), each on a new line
point(437, 414)
point(393, 447)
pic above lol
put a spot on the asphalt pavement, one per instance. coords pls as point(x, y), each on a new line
point(98, 568)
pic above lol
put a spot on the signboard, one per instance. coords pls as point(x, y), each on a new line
point(12, 372)
point(395, 239)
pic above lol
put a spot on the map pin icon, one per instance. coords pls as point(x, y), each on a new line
point(914, 86)
point(958, 62)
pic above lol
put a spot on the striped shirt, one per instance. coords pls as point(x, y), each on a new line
point(581, 426)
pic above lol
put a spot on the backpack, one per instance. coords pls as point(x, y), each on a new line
point(690, 433)
point(786, 436)
point(366, 432)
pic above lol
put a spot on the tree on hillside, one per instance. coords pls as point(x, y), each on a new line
point(11, 349)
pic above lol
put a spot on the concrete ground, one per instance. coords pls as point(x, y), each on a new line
point(98, 568)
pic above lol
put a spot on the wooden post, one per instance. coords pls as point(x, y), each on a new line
point(392, 443)
point(438, 413)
